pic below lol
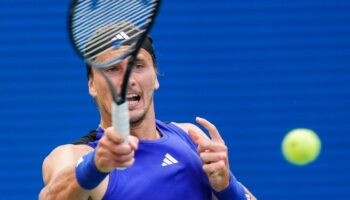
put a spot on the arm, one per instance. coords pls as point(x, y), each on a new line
point(214, 154)
point(59, 168)
point(59, 173)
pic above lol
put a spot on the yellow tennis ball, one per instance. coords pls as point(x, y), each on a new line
point(301, 146)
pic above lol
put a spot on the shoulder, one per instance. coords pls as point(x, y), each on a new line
point(69, 150)
point(61, 157)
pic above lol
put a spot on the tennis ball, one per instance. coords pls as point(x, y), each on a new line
point(301, 146)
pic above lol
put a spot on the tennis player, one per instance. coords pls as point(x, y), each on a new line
point(158, 161)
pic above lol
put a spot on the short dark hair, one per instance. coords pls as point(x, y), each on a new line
point(147, 45)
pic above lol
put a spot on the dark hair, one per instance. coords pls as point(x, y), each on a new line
point(106, 37)
point(147, 45)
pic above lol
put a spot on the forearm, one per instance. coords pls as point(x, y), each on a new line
point(64, 186)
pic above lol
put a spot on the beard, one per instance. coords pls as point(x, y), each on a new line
point(134, 120)
point(137, 120)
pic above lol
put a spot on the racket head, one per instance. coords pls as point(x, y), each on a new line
point(97, 26)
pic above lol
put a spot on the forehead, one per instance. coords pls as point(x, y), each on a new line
point(111, 53)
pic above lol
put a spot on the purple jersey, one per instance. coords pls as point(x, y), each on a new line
point(167, 168)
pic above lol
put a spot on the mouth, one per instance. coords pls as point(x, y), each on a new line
point(133, 100)
point(133, 97)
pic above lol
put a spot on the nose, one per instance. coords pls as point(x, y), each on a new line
point(131, 80)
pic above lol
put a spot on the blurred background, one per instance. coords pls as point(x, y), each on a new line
point(256, 69)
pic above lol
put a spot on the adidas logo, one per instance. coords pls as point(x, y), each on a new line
point(120, 36)
point(169, 160)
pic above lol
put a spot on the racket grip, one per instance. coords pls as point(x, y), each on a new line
point(120, 119)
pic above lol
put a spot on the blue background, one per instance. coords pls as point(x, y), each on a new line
point(256, 69)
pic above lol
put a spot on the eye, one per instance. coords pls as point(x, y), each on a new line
point(112, 69)
point(138, 66)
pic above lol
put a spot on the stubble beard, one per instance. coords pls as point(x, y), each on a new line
point(136, 121)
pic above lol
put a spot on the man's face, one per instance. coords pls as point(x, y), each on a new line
point(142, 83)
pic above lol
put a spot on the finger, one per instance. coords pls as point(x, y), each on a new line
point(213, 132)
point(116, 164)
point(210, 157)
point(124, 158)
point(133, 142)
point(126, 164)
point(114, 136)
point(216, 168)
point(198, 134)
point(121, 149)
point(106, 145)
point(106, 160)
point(210, 146)
point(194, 136)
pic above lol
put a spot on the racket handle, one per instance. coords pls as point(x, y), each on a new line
point(120, 119)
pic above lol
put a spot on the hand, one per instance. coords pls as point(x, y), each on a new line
point(213, 153)
point(113, 152)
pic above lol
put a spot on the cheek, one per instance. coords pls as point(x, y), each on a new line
point(101, 85)
point(102, 90)
point(151, 83)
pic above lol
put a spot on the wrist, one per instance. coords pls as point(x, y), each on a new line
point(234, 191)
point(87, 174)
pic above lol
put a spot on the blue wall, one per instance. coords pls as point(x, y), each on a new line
point(256, 69)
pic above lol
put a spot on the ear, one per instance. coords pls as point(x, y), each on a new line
point(92, 89)
point(156, 84)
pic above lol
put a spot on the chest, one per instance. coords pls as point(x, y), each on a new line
point(168, 170)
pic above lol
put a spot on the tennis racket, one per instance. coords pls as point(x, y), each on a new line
point(97, 26)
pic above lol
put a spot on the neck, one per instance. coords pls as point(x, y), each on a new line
point(144, 130)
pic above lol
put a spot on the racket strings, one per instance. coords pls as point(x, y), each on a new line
point(99, 40)
point(89, 15)
point(86, 21)
point(86, 30)
point(102, 44)
point(137, 20)
point(96, 17)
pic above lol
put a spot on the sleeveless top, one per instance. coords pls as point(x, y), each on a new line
point(168, 168)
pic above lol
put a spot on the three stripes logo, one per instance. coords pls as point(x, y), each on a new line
point(120, 36)
point(169, 160)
